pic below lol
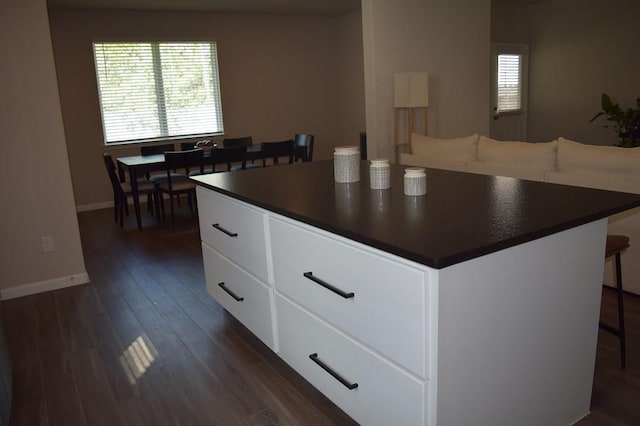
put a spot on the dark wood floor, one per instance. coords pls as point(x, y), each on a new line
point(144, 344)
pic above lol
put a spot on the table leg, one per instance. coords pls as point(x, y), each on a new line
point(134, 193)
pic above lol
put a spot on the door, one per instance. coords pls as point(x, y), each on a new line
point(509, 64)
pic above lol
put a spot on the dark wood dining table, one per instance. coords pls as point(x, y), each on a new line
point(139, 165)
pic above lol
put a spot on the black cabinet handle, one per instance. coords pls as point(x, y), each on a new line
point(232, 294)
point(328, 286)
point(338, 377)
point(221, 229)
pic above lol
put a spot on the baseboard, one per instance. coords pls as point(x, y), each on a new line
point(94, 206)
point(42, 286)
point(107, 205)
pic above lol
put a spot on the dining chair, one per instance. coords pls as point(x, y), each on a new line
point(175, 185)
point(275, 150)
point(243, 141)
point(227, 155)
point(246, 141)
point(363, 145)
point(303, 147)
point(219, 156)
point(156, 149)
point(122, 191)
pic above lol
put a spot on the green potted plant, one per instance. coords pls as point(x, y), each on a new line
point(626, 122)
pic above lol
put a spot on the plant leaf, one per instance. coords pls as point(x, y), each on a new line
point(607, 105)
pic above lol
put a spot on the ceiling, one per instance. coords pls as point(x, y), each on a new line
point(274, 7)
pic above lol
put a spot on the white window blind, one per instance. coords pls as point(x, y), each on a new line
point(155, 90)
point(509, 83)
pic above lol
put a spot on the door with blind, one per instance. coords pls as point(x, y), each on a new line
point(509, 63)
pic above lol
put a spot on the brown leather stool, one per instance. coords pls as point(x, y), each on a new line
point(615, 245)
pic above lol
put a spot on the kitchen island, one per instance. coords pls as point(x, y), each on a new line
point(476, 304)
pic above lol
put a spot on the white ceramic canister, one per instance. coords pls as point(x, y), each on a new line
point(380, 174)
point(346, 164)
point(415, 181)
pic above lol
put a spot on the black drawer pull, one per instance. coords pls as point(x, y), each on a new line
point(221, 229)
point(325, 367)
point(328, 286)
point(232, 294)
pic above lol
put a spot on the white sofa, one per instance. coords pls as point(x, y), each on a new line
point(560, 162)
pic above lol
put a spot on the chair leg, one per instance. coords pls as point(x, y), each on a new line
point(159, 205)
point(621, 333)
point(121, 211)
point(115, 206)
point(150, 202)
point(171, 209)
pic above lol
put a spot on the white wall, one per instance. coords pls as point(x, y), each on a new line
point(449, 40)
point(578, 49)
point(36, 183)
point(349, 61)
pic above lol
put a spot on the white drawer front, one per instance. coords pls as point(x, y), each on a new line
point(385, 395)
point(235, 229)
point(387, 311)
point(255, 309)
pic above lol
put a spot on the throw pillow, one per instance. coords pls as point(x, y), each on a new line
point(540, 155)
point(456, 149)
point(576, 157)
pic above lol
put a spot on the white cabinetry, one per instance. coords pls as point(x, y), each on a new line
point(236, 261)
point(245, 297)
point(504, 338)
point(379, 301)
point(372, 390)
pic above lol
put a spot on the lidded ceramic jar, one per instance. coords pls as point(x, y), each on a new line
point(415, 181)
point(380, 174)
point(346, 164)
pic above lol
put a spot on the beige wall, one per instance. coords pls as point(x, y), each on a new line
point(36, 184)
point(578, 49)
point(450, 41)
point(279, 76)
point(350, 79)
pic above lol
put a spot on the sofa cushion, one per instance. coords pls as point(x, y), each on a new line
point(575, 157)
point(537, 156)
point(451, 149)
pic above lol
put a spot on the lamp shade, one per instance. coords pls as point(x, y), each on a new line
point(411, 90)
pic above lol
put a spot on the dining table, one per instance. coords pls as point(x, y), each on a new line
point(139, 165)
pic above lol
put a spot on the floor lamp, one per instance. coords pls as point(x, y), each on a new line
point(411, 90)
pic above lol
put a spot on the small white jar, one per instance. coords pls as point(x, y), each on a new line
point(380, 174)
point(415, 181)
point(346, 164)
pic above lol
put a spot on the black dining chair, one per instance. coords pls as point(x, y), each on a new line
point(224, 157)
point(122, 191)
point(221, 155)
point(275, 150)
point(157, 149)
point(246, 141)
point(243, 141)
point(303, 147)
point(176, 185)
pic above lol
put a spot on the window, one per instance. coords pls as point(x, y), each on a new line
point(153, 91)
point(509, 87)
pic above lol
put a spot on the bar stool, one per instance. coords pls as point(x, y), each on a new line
point(615, 245)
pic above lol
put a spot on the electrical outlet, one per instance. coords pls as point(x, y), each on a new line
point(47, 243)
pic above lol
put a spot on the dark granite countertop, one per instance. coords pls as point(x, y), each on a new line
point(462, 216)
